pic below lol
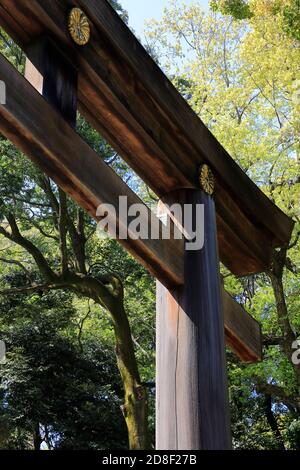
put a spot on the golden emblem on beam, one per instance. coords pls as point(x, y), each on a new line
point(79, 27)
point(207, 180)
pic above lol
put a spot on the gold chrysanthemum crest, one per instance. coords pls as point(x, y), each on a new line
point(206, 180)
point(79, 27)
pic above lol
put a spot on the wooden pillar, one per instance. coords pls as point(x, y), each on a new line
point(51, 72)
point(192, 394)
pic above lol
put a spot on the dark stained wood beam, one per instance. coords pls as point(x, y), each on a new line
point(40, 132)
point(127, 98)
point(242, 332)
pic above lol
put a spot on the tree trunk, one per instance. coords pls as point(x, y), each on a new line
point(37, 440)
point(272, 421)
point(288, 335)
point(135, 408)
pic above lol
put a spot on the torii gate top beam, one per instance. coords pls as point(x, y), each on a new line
point(125, 95)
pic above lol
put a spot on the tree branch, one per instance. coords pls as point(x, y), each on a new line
point(30, 289)
point(272, 420)
point(45, 184)
point(81, 324)
point(42, 231)
point(272, 340)
point(17, 238)
point(146, 353)
point(296, 239)
point(17, 263)
point(62, 226)
point(78, 240)
point(277, 392)
point(291, 266)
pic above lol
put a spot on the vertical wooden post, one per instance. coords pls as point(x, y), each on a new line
point(51, 72)
point(192, 393)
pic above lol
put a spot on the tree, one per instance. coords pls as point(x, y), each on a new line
point(287, 11)
point(118, 7)
point(240, 77)
point(33, 210)
point(55, 390)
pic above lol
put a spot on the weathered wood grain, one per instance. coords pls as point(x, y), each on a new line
point(124, 94)
point(192, 394)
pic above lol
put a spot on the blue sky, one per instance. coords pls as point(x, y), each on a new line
point(141, 10)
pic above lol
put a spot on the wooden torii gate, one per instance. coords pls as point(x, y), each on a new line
point(104, 72)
